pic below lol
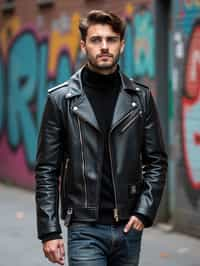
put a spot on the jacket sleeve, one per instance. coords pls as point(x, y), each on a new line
point(154, 160)
point(48, 167)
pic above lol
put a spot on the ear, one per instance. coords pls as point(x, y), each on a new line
point(82, 45)
point(122, 45)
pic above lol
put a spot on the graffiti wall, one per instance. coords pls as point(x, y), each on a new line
point(187, 80)
point(30, 63)
point(33, 60)
point(138, 59)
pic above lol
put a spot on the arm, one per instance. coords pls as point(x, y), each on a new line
point(48, 165)
point(154, 163)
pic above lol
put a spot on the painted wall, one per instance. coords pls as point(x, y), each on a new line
point(186, 80)
point(30, 63)
point(42, 50)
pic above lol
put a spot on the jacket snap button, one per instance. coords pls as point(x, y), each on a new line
point(134, 104)
point(75, 108)
point(69, 94)
point(137, 89)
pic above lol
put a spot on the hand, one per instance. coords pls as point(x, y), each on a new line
point(54, 251)
point(135, 223)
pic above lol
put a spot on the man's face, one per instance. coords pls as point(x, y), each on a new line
point(102, 47)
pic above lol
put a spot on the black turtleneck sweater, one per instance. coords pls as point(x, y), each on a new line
point(102, 92)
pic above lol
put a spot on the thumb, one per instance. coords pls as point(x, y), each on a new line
point(129, 225)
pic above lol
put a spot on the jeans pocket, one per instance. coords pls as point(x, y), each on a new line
point(134, 234)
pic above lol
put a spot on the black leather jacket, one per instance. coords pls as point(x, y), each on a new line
point(71, 146)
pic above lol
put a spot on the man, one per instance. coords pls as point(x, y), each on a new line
point(100, 132)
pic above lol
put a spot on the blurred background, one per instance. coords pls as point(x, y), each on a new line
point(39, 48)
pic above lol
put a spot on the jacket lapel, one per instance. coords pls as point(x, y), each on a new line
point(125, 103)
point(82, 107)
point(80, 104)
point(122, 108)
point(84, 110)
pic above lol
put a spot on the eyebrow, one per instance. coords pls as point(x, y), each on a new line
point(109, 36)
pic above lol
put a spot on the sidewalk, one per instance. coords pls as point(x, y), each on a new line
point(19, 244)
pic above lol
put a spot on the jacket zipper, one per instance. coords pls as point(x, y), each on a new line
point(65, 173)
point(123, 118)
point(82, 153)
point(66, 165)
point(131, 121)
point(116, 210)
point(83, 162)
point(68, 216)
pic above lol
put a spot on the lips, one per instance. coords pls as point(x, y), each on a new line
point(104, 56)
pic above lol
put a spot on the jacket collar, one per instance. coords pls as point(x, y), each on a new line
point(82, 107)
point(75, 84)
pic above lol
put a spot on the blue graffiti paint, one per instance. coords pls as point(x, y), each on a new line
point(27, 89)
point(1, 94)
point(22, 82)
point(42, 80)
point(63, 68)
point(190, 15)
point(127, 60)
point(144, 48)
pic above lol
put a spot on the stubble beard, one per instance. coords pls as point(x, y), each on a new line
point(103, 67)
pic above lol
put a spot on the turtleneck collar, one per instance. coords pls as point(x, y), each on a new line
point(100, 81)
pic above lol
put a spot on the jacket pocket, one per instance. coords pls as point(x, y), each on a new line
point(130, 122)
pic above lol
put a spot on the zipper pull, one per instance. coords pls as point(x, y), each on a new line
point(68, 217)
point(116, 216)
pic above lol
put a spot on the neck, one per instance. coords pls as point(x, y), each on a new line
point(102, 71)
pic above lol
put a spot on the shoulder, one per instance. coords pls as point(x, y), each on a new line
point(144, 93)
point(140, 86)
point(59, 89)
point(67, 89)
point(57, 94)
point(134, 85)
point(143, 90)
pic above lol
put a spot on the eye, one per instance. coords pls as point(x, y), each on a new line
point(95, 39)
point(112, 39)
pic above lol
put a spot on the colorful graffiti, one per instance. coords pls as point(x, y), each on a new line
point(192, 3)
point(190, 115)
point(28, 67)
point(139, 54)
point(31, 62)
point(188, 11)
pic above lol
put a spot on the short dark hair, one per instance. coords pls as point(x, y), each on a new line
point(102, 17)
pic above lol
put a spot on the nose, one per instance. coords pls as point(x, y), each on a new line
point(104, 44)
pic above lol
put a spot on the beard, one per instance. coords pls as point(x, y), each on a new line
point(93, 62)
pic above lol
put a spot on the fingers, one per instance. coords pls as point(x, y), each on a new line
point(135, 223)
point(128, 225)
point(62, 250)
point(54, 251)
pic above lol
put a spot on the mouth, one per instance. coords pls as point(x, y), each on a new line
point(104, 56)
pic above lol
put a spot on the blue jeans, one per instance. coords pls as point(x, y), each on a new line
point(103, 245)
